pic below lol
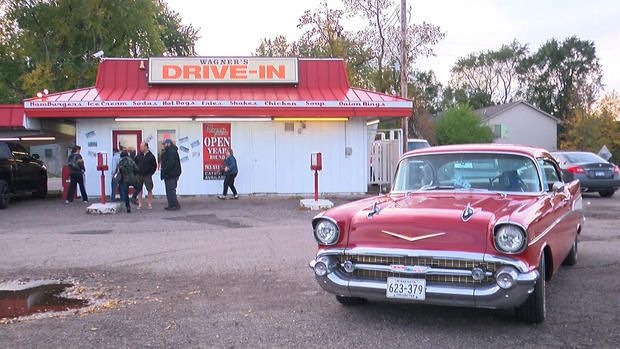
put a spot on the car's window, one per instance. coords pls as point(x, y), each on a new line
point(5, 152)
point(578, 158)
point(413, 145)
point(549, 173)
point(489, 171)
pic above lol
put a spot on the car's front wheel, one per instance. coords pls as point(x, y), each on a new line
point(4, 194)
point(606, 193)
point(350, 300)
point(534, 309)
point(41, 191)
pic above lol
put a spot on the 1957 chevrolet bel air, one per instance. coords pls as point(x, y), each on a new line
point(469, 225)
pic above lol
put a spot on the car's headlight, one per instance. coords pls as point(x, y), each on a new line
point(509, 238)
point(326, 231)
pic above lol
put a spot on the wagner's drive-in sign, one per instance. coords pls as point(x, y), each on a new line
point(222, 70)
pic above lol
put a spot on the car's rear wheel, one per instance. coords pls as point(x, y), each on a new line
point(606, 193)
point(350, 300)
point(4, 194)
point(534, 309)
point(571, 258)
point(41, 191)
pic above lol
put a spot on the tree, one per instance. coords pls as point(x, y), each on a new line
point(460, 125)
point(52, 42)
point(563, 76)
point(491, 73)
point(452, 97)
point(590, 130)
point(324, 37)
point(384, 38)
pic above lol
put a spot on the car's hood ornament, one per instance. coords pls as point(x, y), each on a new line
point(467, 213)
point(412, 239)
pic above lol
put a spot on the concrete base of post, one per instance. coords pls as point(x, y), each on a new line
point(320, 204)
point(107, 208)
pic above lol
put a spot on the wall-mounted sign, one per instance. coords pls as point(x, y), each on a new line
point(222, 70)
point(215, 142)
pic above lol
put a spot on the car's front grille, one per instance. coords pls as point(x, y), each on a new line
point(456, 264)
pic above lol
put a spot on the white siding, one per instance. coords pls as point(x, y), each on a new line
point(527, 126)
point(266, 165)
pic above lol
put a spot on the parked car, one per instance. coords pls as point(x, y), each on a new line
point(467, 225)
point(20, 172)
point(593, 172)
point(417, 143)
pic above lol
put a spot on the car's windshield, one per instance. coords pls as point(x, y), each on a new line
point(579, 158)
point(485, 171)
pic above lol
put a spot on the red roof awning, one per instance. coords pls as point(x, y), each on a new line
point(122, 89)
point(11, 116)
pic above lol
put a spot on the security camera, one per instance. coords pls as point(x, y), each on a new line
point(98, 54)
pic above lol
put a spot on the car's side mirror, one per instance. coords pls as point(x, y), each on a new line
point(36, 156)
point(558, 187)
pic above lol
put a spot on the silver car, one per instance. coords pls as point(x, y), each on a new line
point(593, 172)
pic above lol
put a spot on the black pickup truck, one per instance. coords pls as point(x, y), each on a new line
point(20, 172)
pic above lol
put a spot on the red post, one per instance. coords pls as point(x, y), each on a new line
point(316, 185)
point(102, 187)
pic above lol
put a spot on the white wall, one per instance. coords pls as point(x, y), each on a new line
point(270, 159)
point(527, 126)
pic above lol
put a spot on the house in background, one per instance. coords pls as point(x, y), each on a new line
point(521, 123)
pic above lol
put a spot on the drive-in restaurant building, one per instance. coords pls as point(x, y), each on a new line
point(273, 112)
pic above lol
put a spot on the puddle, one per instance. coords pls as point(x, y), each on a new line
point(39, 298)
point(210, 219)
point(90, 232)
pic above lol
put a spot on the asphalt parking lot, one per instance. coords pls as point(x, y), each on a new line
point(234, 274)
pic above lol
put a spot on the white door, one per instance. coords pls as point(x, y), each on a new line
point(263, 166)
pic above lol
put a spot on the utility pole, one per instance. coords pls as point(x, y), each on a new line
point(403, 66)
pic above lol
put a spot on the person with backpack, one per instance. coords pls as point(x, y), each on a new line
point(229, 168)
point(76, 174)
point(170, 172)
point(116, 157)
point(127, 176)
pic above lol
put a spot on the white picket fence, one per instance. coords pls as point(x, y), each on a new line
point(384, 153)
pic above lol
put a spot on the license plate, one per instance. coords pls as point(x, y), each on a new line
point(406, 288)
point(599, 173)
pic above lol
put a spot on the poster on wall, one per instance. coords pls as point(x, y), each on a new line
point(215, 141)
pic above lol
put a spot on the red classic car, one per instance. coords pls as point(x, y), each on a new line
point(467, 225)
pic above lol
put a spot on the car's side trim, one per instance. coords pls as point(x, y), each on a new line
point(548, 229)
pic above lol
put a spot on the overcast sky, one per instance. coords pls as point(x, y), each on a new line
point(236, 27)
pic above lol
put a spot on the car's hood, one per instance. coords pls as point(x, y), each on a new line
point(432, 221)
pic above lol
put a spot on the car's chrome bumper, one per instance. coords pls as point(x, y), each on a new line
point(340, 283)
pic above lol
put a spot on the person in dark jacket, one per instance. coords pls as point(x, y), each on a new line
point(76, 174)
point(229, 167)
point(147, 165)
point(128, 171)
point(170, 172)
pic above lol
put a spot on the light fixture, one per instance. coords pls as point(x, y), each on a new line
point(46, 91)
point(8, 139)
point(38, 138)
point(39, 94)
point(153, 119)
point(232, 119)
point(373, 122)
point(311, 119)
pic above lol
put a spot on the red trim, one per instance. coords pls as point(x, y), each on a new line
point(12, 115)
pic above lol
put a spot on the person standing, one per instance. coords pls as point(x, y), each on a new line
point(147, 165)
point(116, 157)
point(170, 172)
point(76, 174)
point(128, 171)
point(229, 167)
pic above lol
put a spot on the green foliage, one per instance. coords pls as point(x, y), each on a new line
point(452, 97)
point(49, 44)
point(461, 125)
point(493, 74)
point(562, 76)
